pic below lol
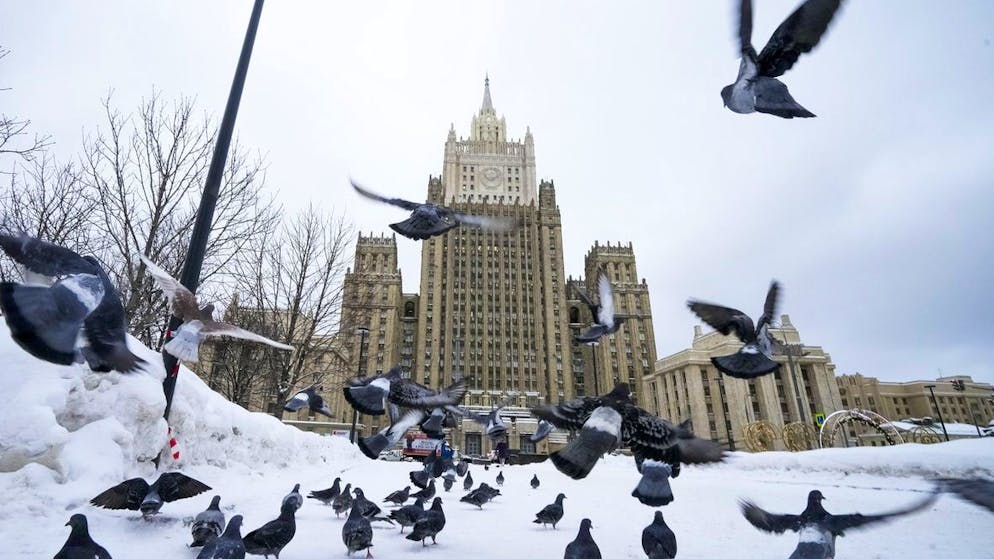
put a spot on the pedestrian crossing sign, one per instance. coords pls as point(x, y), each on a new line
point(819, 419)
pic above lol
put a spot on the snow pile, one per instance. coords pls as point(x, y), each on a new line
point(109, 426)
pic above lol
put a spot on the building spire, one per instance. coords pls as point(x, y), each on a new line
point(488, 104)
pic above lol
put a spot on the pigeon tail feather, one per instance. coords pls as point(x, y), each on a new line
point(42, 334)
point(185, 344)
point(373, 445)
point(745, 365)
point(365, 399)
point(654, 488)
point(579, 457)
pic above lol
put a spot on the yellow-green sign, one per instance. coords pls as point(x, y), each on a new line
point(819, 419)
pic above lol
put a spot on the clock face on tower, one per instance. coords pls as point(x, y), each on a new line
point(490, 177)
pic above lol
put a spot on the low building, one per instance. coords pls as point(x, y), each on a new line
point(959, 398)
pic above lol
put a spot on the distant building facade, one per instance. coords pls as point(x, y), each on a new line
point(973, 405)
point(686, 385)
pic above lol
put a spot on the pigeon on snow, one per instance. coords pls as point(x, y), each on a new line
point(467, 483)
point(371, 395)
point(426, 493)
point(368, 508)
point(137, 494)
point(326, 496)
point(228, 545)
point(273, 536)
point(428, 220)
point(535, 482)
point(817, 527)
point(47, 322)
point(343, 501)
point(462, 468)
point(198, 322)
point(757, 88)
point(500, 479)
point(583, 547)
point(310, 398)
point(79, 544)
point(430, 523)
point(605, 321)
point(447, 483)
point(399, 497)
point(476, 498)
point(754, 358)
point(208, 524)
point(978, 491)
point(407, 515)
point(294, 498)
point(551, 514)
point(357, 534)
point(658, 541)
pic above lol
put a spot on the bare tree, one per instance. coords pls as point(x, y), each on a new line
point(147, 172)
point(14, 137)
point(292, 279)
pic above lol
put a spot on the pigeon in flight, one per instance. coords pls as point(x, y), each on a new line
point(80, 545)
point(605, 321)
point(308, 397)
point(228, 545)
point(47, 321)
point(658, 541)
point(757, 88)
point(978, 491)
point(198, 322)
point(326, 496)
point(373, 445)
point(137, 494)
point(371, 395)
point(430, 523)
point(493, 424)
point(754, 358)
point(583, 547)
point(817, 527)
point(428, 220)
point(273, 536)
point(551, 514)
point(343, 501)
point(399, 497)
point(542, 431)
point(535, 482)
point(208, 524)
point(357, 534)
point(294, 498)
point(407, 515)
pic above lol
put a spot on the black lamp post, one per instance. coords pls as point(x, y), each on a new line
point(960, 386)
point(363, 332)
point(937, 410)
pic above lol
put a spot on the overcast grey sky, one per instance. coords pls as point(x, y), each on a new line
point(875, 216)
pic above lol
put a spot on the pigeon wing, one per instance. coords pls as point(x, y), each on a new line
point(770, 306)
point(299, 400)
point(399, 202)
point(838, 524)
point(586, 301)
point(44, 258)
point(182, 301)
point(769, 522)
point(605, 315)
point(745, 28)
point(174, 486)
point(723, 319)
point(213, 328)
point(490, 223)
point(646, 434)
point(797, 35)
point(977, 491)
point(125, 495)
point(570, 415)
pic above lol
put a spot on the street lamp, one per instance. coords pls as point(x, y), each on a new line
point(960, 386)
point(363, 332)
point(937, 410)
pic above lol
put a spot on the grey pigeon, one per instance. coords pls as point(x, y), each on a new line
point(370, 395)
point(308, 397)
point(430, 523)
point(273, 536)
point(754, 359)
point(493, 424)
point(368, 508)
point(551, 514)
point(45, 322)
point(343, 501)
point(447, 484)
point(294, 498)
point(467, 482)
point(500, 479)
point(428, 220)
point(373, 445)
point(542, 431)
point(978, 491)
point(357, 534)
point(426, 493)
point(756, 87)
point(399, 497)
point(326, 496)
point(79, 544)
point(654, 488)
point(583, 547)
point(407, 515)
point(137, 494)
point(605, 321)
point(462, 468)
point(476, 498)
point(198, 322)
point(658, 541)
point(228, 545)
point(535, 482)
point(816, 527)
point(208, 524)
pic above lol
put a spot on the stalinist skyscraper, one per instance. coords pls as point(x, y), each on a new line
point(492, 304)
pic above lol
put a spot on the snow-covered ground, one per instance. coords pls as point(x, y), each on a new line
point(66, 434)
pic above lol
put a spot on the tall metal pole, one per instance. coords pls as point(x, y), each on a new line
point(190, 275)
point(789, 349)
point(362, 346)
point(593, 357)
point(937, 410)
